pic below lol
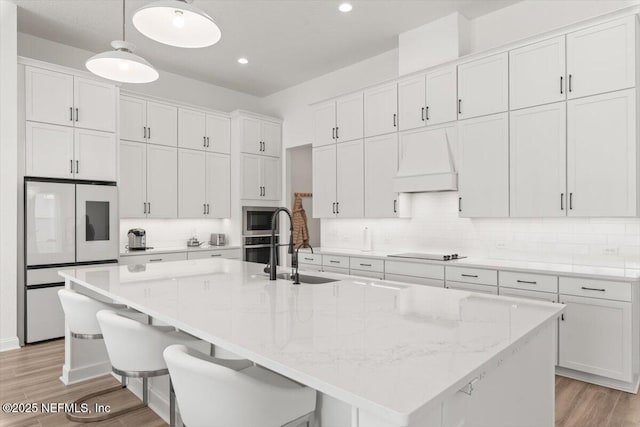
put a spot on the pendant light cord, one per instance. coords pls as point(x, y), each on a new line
point(123, 21)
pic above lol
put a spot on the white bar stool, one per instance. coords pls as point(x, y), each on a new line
point(211, 393)
point(80, 313)
point(135, 350)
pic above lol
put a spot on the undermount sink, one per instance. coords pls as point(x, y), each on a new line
point(307, 280)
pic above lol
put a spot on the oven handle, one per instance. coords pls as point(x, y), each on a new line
point(256, 246)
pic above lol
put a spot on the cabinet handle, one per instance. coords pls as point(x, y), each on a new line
point(561, 88)
point(70, 113)
point(204, 208)
point(334, 262)
point(204, 141)
point(148, 207)
point(144, 207)
point(570, 88)
point(338, 208)
point(561, 201)
point(562, 316)
point(422, 114)
point(155, 259)
point(365, 265)
point(337, 132)
point(216, 254)
point(208, 209)
point(470, 275)
point(77, 115)
point(333, 133)
point(527, 281)
point(459, 204)
point(334, 207)
point(208, 142)
point(394, 119)
point(395, 204)
point(593, 289)
point(459, 106)
point(71, 166)
point(144, 132)
point(149, 133)
point(77, 166)
point(308, 259)
point(570, 201)
point(427, 113)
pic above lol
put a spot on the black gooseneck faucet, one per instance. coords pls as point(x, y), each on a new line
point(274, 247)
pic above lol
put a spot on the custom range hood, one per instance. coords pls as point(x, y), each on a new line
point(427, 161)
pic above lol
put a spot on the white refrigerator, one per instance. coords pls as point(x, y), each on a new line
point(67, 224)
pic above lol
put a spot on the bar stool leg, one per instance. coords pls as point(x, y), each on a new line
point(145, 390)
point(172, 405)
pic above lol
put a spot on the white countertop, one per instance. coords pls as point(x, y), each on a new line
point(174, 249)
point(391, 348)
point(605, 273)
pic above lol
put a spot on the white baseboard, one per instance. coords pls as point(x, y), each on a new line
point(631, 387)
point(75, 375)
point(7, 344)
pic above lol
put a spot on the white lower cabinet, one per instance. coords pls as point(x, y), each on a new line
point(596, 337)
point(473, 287)
point(380, 167)
point(152, 258)
point(215, 253)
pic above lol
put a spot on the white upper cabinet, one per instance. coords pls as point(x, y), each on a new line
point(324, 181)
point(49, 96)
point(192, 129)
point(538, 161)
point(49, 151)
point(251, 177)
point(602, 58)
point(95, 104)
point(381, 110)
point(324, 124)
point(191, 184)
point(218, 184)
point(95, 155)
point(349, 118)
point(380, 167)
point(162, 181)
point(271, 178)
point(251, 130)
point(271, 138)
point(412, 103)
point(261, 137)
point(483, 86)
point(350, 179)
point(133, 180)
point(484, 167)
point(441, 86)
point(602, 155)
point(537, 73)
point(133, 119)
point(218, 134)
point(162, 124)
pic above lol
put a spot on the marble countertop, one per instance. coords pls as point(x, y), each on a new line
point(391, 348)
point(605, 273)
point(174, 249)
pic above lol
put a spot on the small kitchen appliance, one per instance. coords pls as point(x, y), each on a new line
point(137, 239)
point(218, 239)
point(193, 242)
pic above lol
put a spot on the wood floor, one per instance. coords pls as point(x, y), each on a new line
point(32, 373)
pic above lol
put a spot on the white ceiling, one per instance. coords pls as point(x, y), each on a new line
point(286, 41)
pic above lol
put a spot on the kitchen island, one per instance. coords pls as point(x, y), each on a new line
point(379, 353)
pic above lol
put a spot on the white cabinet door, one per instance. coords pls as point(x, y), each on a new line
point(602, 155)
point(349, 118)
point(324, 124)
point(538, 161)
point(271, 139)
point(380, 167)
point(536, 73)
point(271, 179)
point(350, 179)
point(484, 167)
point(251, 176)
point(218, 185)
point(132, 184)
point(441, 88)
point(162, 124)
point(96, 155)
point(412, 102)
point(596, 337)
point(218, 134)
point(95, 104)
point(483, 86)
point(49, 150)
point(49, 96)
point(133, 119)
point(191, 184)
point(602, 58)
point(324, 182)
point(162, 181)
point(191, 129)
point(251, 131)
point(381, 110)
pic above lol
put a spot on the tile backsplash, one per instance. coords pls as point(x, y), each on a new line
point(435, 226)
point(175, 232)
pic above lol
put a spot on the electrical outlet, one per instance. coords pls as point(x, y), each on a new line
point(611, 250)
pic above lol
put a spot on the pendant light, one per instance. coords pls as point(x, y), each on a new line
point(121, 64)
point(176, 23)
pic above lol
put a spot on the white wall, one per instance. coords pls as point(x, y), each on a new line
point(170, 86)
point(8, 176)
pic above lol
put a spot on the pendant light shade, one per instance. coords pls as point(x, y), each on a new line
point(122, 65)
point(176, 23)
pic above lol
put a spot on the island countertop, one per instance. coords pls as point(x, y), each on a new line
point(391, 348)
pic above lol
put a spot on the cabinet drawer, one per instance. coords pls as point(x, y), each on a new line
point(438, 283)
point(472, 287)
point(230, 254)
point(533, 282)
point(415, 269)
point(338, 270)
point(307, 258)
point(40, 276)
point(592, 288)
point(144, 259)
point(366, 264)
point(472, 275)
point(310, 267)
point(335, 261)
point(367, 273)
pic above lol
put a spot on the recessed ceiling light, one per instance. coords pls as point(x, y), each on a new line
point(345, 7)
point(243, 61)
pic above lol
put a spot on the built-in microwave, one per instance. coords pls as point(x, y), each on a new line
point(256, 220)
